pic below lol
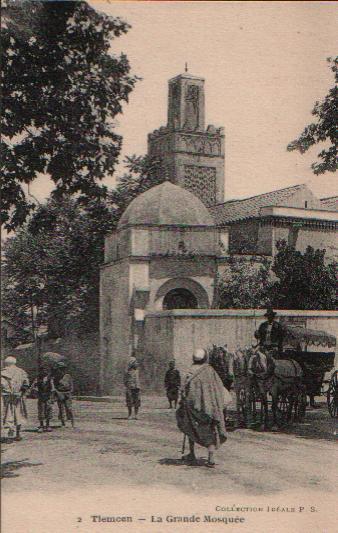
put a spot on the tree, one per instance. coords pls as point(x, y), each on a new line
point(305, 281)
point(142, 173)
point(245, 284)
point(62, 89)
point(323, 130)
point(52, 265)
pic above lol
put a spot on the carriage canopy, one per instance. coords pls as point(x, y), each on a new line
point(310, 336)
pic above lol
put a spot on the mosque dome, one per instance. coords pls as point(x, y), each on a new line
point(166, 205)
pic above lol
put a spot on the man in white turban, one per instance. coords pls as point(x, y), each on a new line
point(200, 415)
point(14, 384)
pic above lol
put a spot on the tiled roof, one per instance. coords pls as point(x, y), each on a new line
point(250, 207)
point(330, 203)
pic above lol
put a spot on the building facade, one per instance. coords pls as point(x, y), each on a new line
point(173, 239)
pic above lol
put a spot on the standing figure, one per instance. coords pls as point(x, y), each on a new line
point(132, 384)
point(14, 384)
point(172, 384)
point(44, 387)
point(270, 334)
point(63, 384)
point(200, 415)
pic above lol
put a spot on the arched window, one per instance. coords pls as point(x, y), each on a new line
point(180, 299)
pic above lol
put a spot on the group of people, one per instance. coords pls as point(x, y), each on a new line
point(203, 397)
point(201, 413)
point(52, 385)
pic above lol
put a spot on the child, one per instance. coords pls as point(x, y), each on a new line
point(132, 384)
point(63, 384)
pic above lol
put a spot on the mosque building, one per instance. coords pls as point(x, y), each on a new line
point(173, 239)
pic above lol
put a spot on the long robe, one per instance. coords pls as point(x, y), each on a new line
point(14, 382)
point(200, 415)
point(172, 383)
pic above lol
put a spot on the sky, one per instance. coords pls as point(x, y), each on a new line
point(264, 64)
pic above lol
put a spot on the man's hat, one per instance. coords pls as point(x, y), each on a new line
point(270, 312)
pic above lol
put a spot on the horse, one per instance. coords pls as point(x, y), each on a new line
point(245, 405)
point(258, 375)
point(221, 361)
point(232, 368)
point(255, 376)
point(282, 379)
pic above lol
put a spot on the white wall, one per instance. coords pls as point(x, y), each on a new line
point(176, 334)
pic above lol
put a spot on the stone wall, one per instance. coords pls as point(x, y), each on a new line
point(158, 349)
point(167, 335)
point(115, 323)
point(302, 237)
point(176, 334)
point(82, 352)
point(257, 237)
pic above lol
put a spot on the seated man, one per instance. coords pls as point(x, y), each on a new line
point(270, 334)
point(200, 415)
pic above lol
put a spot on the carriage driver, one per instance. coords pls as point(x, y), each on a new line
point(270, 334)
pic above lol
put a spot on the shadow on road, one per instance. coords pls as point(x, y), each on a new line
point(7, 440)
point(179, 462)
point(9, 469)
point(307, 431)
point(318, 425)
point(35, 430)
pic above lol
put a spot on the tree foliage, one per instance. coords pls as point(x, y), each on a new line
point(142, 173)
point(305, 281)
point(52, 264)
point(244, 284)
point(325, 129)
point(62, 89)
point(301, 281)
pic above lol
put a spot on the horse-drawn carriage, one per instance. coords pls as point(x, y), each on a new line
point(316, 364)
point(299, 371)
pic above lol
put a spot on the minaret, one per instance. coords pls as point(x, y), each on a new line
point(192, 156)
point(186, 103)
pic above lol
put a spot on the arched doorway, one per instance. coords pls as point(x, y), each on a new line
point(180, 299)
point(181, 293)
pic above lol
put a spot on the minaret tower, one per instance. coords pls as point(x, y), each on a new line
point(192, 156)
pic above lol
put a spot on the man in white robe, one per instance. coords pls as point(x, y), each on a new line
point(14, 384)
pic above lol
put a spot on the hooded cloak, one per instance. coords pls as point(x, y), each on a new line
point(200, 415)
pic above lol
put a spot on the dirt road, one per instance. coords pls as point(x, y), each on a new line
point(106, 450)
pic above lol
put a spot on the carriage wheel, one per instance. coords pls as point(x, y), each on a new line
point(332, 395)
point(300, 407)
point(283, 410)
